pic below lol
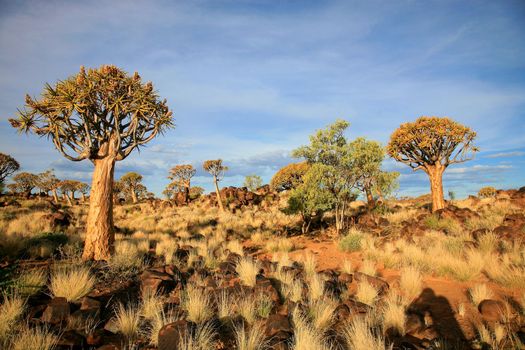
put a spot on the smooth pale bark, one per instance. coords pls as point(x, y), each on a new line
point(55, 195)
point(435, 175)
point(100, 233)
point(83, 196)
point(134, 195)
point(219, 199)
point(68, 199)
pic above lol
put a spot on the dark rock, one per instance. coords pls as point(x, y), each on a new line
point(57, 311)
point(278, 326)
point(89, 304)
point(170, 334)
point(381, 285)
point(157, 281)
point(492, 310)
point(71, 340)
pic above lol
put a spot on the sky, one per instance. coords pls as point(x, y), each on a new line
point(249, 81)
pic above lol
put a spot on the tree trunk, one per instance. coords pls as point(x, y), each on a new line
point(369, 197)
point(83, 197)
point(219, 199)
point(100, 234)
point(435, 175)
point(68, 198)
point(380, 195)
point(55, 195)
point(134, 196)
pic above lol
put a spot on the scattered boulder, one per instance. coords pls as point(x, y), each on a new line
point(57, 311)
point(492, 310)
point(171, 334)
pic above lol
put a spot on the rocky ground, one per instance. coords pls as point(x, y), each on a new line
point(192, 278)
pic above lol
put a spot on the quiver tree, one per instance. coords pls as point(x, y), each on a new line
point(101, 115)
point(432, 144)
point(48, 182)
point(24, 183)
point(68, 188)
point(216, 169)
point(181, 175)
point(83, 188)
point(8, 165)
point(289, 177)
point(130, 182)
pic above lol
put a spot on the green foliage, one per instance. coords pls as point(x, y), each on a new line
point(253, 182)
point(313, 197)
point(352, 242)
point(451, 195)
point(433, 222)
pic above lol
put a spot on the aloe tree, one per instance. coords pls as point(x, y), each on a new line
point(47, 181)
point(130, 181)
point(216, 169)
point(181, 175)
point(8, 165)
point(432, 144)
point(101, 114)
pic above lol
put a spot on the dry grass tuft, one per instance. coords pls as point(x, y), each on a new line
point(197, 304)
point(366, 293)
point(321, 313)
point(157, 322)
point(315, 287)
point(127, 320)
point(480, 292)
point(202, 339)
point(359, 335)
point(247, 269)
point(410, 282)
point(394, 314)
point(31, 282)
point(71, 283)
point(151, 304)
point(11, 311)
point(35, 339)
point(252, 338)
point(306, 337)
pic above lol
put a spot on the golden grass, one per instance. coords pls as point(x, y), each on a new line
point(11, 311)
point(306, 337)
point(252, 338)
point(410, 282)
point(157, 322)
point(279, 245)
point(347, 267)
point(202, 339)
point(235, 246)
point(198, 305)
point(72, 283)
point(35, 339)
point(315, 287)
point(480, 292)
point(368, 267)
point(310, 264)
point(358, 335)
point(247, 306)
point(393, 314)
point(31, 281)
point(225, 304)
point(127, 320)
point(366, 293)
point(247, 269)
point(127, 258)
point(151, 304)
point(321, 313)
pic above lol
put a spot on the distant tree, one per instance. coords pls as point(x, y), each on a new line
point(330, 147)
point(83, 188)
point(130, 181)
point(451, 195)
point(8, 166)
point(181, 175)
point(101, 115)
point(312, 197)
point(48, 182)
point(216, 169)
point(487, 192)
point(24, 183)
point(289, 176)
point(196, 192)
point(68, 188)
point(253, 182)
point(431, 144)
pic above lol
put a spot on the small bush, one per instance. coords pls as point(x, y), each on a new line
point(352, 242)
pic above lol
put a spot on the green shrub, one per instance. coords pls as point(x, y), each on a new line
point(352, 241)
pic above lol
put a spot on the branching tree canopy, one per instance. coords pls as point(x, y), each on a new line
point(253, 182)
point(386, 183)
point(217, 170)
point(313, 196)
point(181, 175)
point(130, 182)
point(366, 157)
point(102, 115)
point(288, 177)
point(330, 147)
point(196, 192)
point(8, 166)
point(432, 144)
point(24, 183)
point(47, 181)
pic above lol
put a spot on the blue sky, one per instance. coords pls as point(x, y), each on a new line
point(248, 81)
